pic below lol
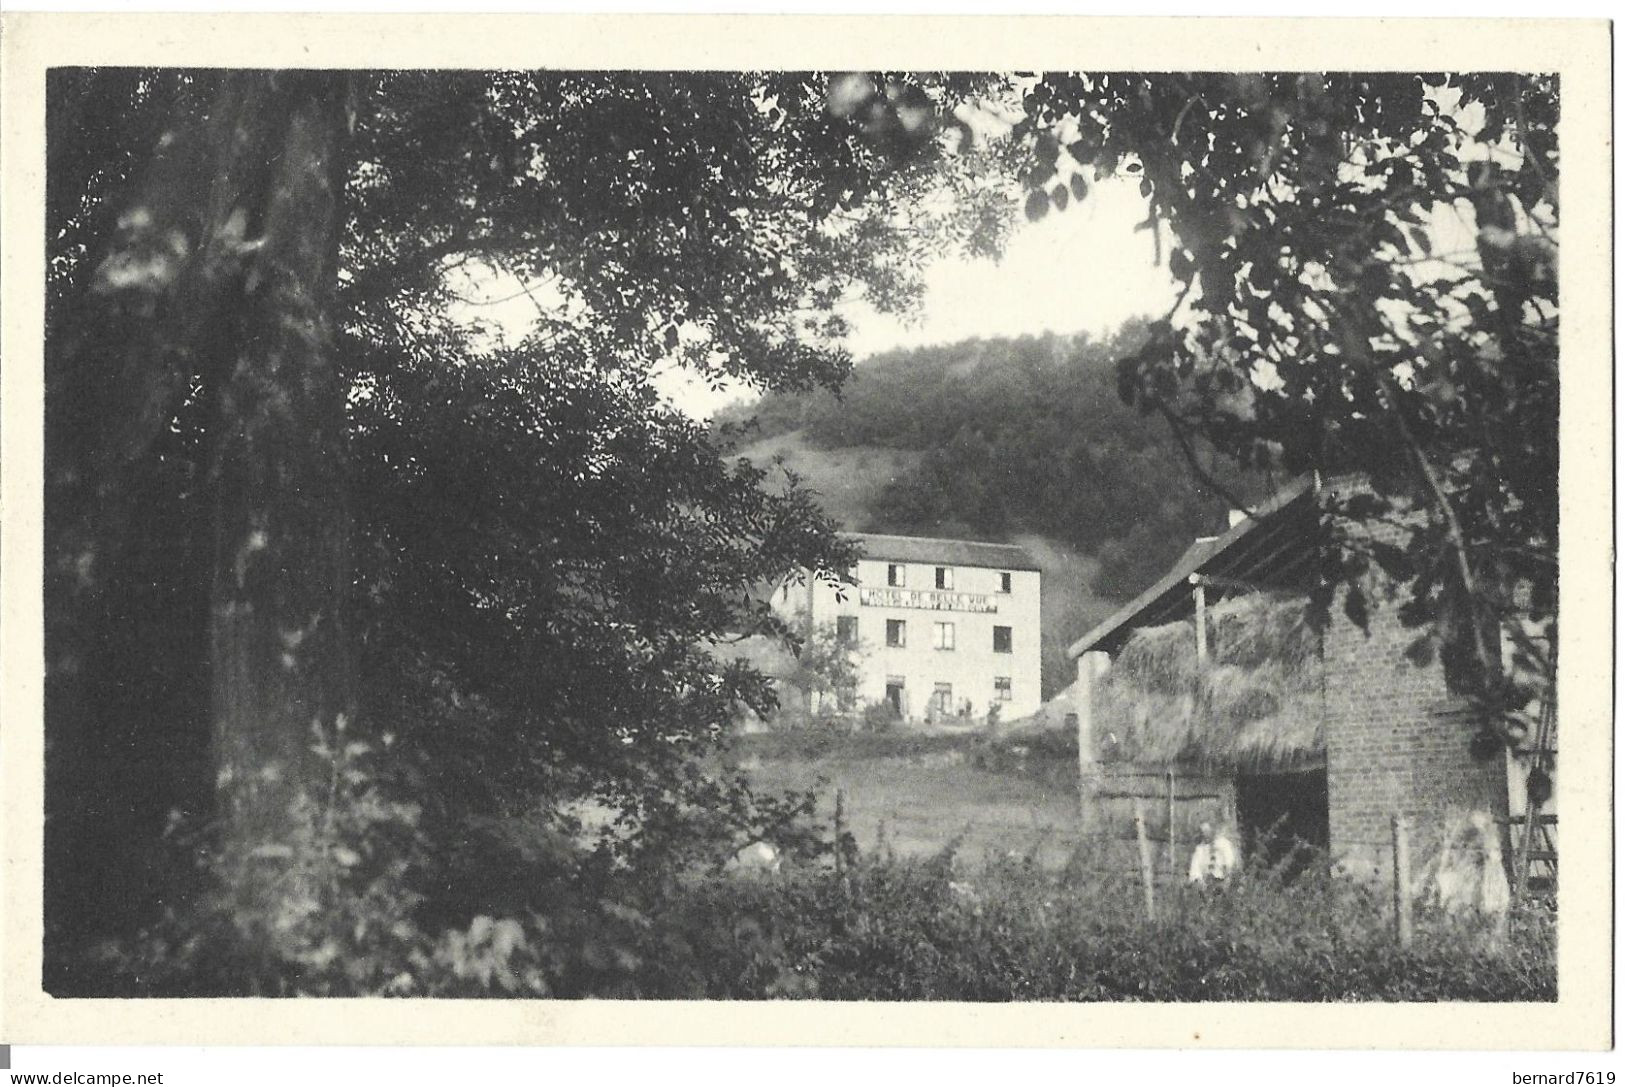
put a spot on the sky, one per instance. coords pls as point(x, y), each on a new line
point(1083, 269)
point(1089, 269)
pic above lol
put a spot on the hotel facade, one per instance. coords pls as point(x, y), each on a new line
point(944, 630)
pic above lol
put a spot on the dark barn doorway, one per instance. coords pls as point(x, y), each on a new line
point(1278, 814)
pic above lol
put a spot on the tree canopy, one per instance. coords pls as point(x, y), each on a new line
point(1369, 270)
point(300, 508)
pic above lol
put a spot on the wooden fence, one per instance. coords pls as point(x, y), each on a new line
point(1120, 800)
point(1153, 814)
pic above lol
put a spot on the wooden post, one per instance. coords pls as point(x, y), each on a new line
point(1402, 881)
point(1090, 666)
point(1085, 756)
point(1200, 597)
point(1147, 875)
point(1083, 798)
point(1173, 858)
point(840, 826)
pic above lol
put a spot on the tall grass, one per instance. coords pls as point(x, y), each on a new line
point(876, 927)
point(890, 929)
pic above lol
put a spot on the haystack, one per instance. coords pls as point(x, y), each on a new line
point(1256, 704)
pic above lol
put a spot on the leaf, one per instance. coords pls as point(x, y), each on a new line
point(1355, 607)
point(1059, 196)
point(1539, 785)
point(1037, 206)
point(1047, 149)
point(1080, 186)
point(1485, 745)
point(848, 92)
point(1420, 651)
point(671, 337)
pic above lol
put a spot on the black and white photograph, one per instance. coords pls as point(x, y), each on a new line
point(855, 535)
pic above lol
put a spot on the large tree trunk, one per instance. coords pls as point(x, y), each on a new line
point(196, 517)
point(278, 655)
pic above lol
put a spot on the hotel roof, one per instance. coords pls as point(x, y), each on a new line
point(941, 552)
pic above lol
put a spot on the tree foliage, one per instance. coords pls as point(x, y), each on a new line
point(824, 675)
point(294, 491)
point(1369, 271)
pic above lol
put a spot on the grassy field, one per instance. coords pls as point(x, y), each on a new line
point(920, 795)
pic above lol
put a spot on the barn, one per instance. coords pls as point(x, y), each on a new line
point(1212, 696)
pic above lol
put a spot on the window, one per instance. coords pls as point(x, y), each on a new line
point(1001, 639)
point(942, 635)
point(945, 577)
point(1001, 688)
point(846, 629)
point(896, 633)
point(942, 699)
point(896, 575)
point(1004, 581)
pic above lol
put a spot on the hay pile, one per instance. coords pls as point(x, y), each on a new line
point(1257, 705)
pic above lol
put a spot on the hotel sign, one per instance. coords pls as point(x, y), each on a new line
point(926, 599)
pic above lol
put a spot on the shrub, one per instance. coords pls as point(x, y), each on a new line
point(661, 923)
point(854, 746)
point(880, 717)
point(907, 930)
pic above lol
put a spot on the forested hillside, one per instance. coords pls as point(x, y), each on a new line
point(1022, 440)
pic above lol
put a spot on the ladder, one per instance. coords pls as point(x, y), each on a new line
point(1537, 850)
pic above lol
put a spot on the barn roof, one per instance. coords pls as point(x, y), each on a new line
point(942, 552)
point(1273, 548)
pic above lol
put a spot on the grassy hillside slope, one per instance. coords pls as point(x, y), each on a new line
point(849, 480)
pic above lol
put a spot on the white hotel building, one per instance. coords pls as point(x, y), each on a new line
point(947, 629)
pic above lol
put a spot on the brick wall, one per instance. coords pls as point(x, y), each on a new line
point(1397, 742)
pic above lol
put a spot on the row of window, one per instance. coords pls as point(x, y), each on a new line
point(942, 634)
point(942, 695)
point(897, 577)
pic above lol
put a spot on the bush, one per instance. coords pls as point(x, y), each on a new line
point(387, 905)
point(1041, 742)
point(880, 717)
point(568, 923)
point(905, 930)
point(853, 746)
